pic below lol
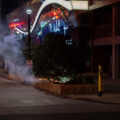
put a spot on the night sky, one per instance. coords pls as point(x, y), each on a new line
point(9, 5)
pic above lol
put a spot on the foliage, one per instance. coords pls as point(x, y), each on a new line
point(53, 57)
point(89, 79)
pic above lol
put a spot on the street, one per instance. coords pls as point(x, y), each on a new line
point(19, 101)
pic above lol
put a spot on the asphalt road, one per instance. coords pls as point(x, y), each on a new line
point(22, 102)
point(81, 116)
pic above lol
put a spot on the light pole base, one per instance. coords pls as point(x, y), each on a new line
point(100, 93)
point(29, 64)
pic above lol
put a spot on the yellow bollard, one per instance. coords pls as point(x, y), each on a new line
point(100, 93)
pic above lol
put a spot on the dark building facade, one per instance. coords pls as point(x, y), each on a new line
point(96, 30)
point(106, 37)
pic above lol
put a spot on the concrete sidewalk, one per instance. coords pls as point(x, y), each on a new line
point(110, 86)
point(111, 93)
point(113, 99)
point(18, 100)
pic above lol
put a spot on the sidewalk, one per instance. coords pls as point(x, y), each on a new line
point(4, 75)
point(110, 86)
point(113, 99)
point(111, 93)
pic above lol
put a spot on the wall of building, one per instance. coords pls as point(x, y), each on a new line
point(95, 32)
point(104, 39)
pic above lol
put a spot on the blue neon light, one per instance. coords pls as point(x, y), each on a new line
point(55, 26)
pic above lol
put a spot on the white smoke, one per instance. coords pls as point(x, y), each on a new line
point(11, 51)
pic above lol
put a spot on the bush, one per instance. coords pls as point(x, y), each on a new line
point(89, 80)
point(53, 57)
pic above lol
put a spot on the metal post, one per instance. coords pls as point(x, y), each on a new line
point(100, 92)
point(29, 61)
point(29, 38)
point(113, 42)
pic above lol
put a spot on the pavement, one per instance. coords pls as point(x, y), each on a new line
point(111, 93)
point(20, 101)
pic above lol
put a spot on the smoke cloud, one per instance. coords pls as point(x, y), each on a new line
point(11, 52)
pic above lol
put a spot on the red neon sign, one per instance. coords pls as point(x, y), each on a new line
point(12, 25)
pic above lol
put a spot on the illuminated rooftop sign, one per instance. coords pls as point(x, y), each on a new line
point(79, 5)
point(70, 5)
point(12, 25)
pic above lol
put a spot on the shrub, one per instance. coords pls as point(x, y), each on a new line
point(89, 79)
point(54, 56)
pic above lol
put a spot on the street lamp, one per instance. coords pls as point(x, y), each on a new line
point(29, 12)
point(29, 61)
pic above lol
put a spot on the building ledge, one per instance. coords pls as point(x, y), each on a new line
point(99, 4)
point(105, 41)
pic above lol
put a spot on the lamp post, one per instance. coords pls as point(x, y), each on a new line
point(29, 12)
point(29, 61)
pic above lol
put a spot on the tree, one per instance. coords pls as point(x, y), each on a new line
point(54, 57)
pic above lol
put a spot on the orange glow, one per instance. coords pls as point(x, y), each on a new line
point(42, 79)
point(54, 13)
point(12, 25)
point(57, 17)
